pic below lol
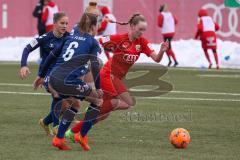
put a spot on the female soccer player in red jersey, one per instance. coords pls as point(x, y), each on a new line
point(126, 50)
point(206, 30)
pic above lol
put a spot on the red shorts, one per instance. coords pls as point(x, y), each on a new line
point(111, 85)
point(209, 42)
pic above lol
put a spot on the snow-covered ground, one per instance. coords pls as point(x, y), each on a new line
point(188, 52)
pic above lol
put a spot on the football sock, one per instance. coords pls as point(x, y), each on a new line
point(51, 116)
point(55, 110)
point(90, 118)
point(216, 57)
point(207, 56)
point(48, 119)
point(76, 128)
point(67, 118)
point(171, 53)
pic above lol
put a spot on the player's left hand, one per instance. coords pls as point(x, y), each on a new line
point(38, 82)
point(24, 72)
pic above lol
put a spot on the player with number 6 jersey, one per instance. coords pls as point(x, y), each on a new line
point(67, 76)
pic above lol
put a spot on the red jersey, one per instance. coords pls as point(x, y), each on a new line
point(125, 53)
point(167, 21)
point(47, 15)
point(206, 30)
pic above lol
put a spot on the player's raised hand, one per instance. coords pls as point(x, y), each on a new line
point(165, 46)
point(38, 82)
point(24, 72)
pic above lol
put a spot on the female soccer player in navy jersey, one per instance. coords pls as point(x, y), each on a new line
point(126, 50)
point(48, 42)
point(69, 70)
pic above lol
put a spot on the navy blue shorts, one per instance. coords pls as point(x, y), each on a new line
point(70, 88)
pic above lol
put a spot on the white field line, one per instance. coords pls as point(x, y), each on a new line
point(16, 84)
point(192, 99)
point(142, 90)
point(25, 93)
point(163, 98)
point(149, 64)
point(189, 92)
point(219, 75)
point(234, 70)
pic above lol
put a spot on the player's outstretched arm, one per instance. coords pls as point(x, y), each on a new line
point(157, 57)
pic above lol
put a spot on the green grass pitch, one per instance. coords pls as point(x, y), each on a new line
point(205, 102)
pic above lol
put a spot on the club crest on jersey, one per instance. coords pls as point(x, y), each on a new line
point(138, 48)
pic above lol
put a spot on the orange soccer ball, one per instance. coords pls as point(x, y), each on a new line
point(179, 138)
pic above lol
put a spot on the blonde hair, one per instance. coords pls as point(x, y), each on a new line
point(87, 21)
point(58, 16)
point(92, 8)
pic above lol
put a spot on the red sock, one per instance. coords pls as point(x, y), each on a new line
point(106, 107)
point(216, 57)
point(171, 53)
point(76, 128)
point(207, 56)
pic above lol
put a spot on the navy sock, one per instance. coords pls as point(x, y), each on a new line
point(90, 118)
point(48, 119)
point(67, 118)
point(55, 110)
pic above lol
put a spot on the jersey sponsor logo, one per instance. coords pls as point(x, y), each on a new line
point(138, 47)
point(33, 43)
point(79, 38)
point(130, 58)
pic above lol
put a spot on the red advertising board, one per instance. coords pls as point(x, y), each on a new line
point(16, 16)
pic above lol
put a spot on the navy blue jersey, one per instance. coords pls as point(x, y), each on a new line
point(47, 41)
point(72, 58)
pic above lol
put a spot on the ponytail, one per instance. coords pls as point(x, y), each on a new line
point(87, 21)
point(134, 20)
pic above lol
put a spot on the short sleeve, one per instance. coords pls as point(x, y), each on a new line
point(109, 43)
point(95, 50)
point(146, 47)
point(111, 38)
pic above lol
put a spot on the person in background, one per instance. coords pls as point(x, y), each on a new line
point(40, 26)
point(38, 14)
point(92, 8)
point(206, 30)
point(107, 28)
point(167, 21)
point(50, 8)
